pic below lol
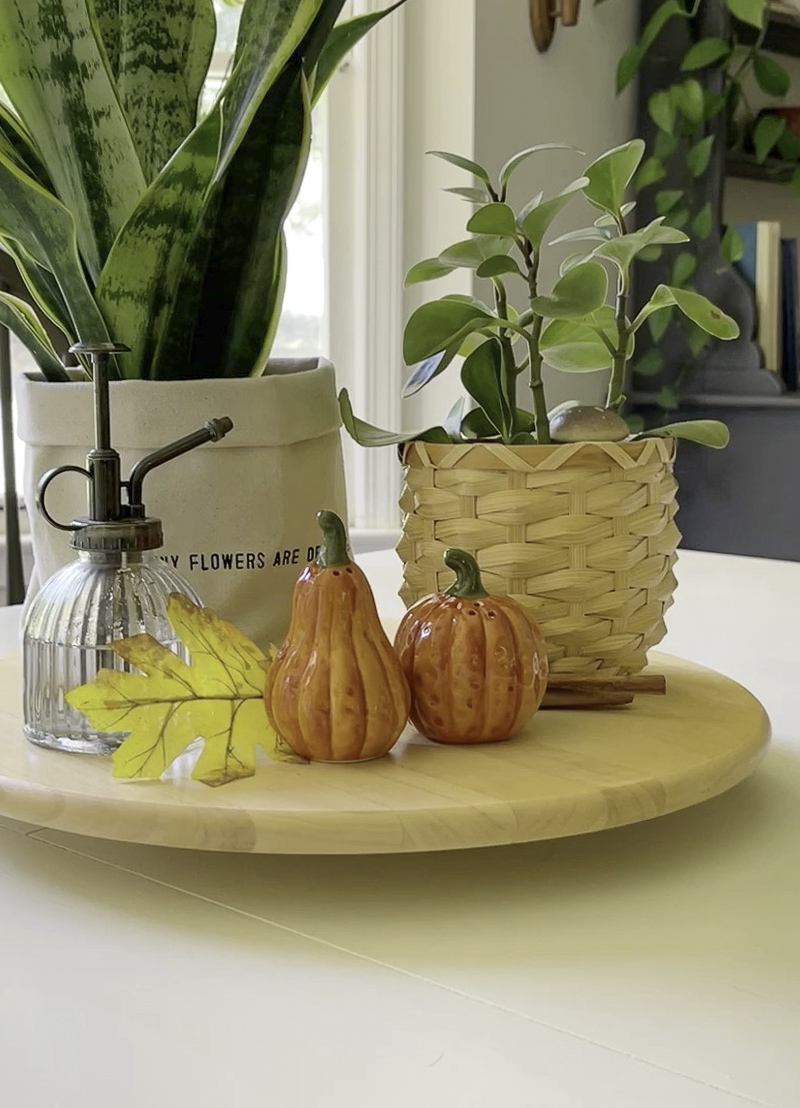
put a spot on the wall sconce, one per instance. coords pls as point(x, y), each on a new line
point(544, 14)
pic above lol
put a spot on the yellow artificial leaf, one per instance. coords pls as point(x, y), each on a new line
point(217, 698)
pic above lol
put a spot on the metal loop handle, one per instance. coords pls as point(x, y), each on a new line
point(42, 487)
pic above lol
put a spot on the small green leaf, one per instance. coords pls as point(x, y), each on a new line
point(766, 133)
point(684, 266)
point(628, 66)
point(748, 11)
point(650, 254)
point(577, 293)
point(429, 368)
point(436, 326)
point(651, 363)
point(475, 425)
point(713, 103)
point(364, 433)
point(696, 307)
point(690, 100)
point(666, 199)
point(469, 253)
point(772, 78)
point(535, 221)
point(432, 434)
point(494, 219)
point(788, 146)
point(635, 422)
point(702, 222)
point(452, 421)
point(475, 196)
point(707, 432)
point(667, 398)
point(582, 234)
point(523, 438)
point(696, 337)
point(497, 266)
point(607, 220)
point(463, 163)
point(731, 246)
point(665, 145)
point(428, 270)
point(659, 324)
point(662, 109)
point(611, 174)
point(516, 161)
point(700, 155)
point(705, 52)
point(652, 171)
point(481, 376)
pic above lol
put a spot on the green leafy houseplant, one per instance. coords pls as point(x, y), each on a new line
point(570, 328)
point(128, 217)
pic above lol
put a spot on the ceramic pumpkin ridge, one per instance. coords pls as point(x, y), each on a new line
point(336, 690)
point(476, 664)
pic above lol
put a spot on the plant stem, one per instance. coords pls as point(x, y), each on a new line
point(508, 381)
point(616, 382)
point(540, 420)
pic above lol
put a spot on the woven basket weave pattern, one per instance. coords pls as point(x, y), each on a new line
point(582, 534)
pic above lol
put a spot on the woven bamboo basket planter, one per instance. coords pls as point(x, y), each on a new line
point(582, 534)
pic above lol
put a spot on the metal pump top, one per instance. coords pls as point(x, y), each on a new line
point(111, 525)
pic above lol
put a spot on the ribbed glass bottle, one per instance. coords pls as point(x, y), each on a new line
point(80, 610)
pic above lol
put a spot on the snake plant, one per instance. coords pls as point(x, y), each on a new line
point(130, 219)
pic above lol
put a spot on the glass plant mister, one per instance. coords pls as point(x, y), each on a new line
point(117, 586)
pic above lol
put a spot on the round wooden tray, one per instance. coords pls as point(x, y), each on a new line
point(571, 772)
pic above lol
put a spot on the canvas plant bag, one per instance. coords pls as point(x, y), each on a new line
point(239, 515)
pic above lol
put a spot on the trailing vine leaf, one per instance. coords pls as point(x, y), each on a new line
point(772, 78)
point(217, 697)
point(766, 133)
point(705, 52)
point(749, 11)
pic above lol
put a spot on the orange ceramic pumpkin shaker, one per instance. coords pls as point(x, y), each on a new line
point(476, 664)
point(336, 691)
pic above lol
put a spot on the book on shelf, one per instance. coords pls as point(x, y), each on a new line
point(760, 265)
point(789, 282)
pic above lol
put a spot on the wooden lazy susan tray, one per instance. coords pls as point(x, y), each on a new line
point(571, 772)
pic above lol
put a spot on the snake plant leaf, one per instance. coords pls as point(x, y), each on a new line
point(43, 227)
point(270, 33)
point(21, 319)
point(21, 148)
point(245, 273)
point(56, 75)
point(106, 21)
point(340, 42)
point(164, 52)
point(43, 288)
point(694, 306)
point(136, 284)
point(579, 292)
point(708, 432)
point(218, 697)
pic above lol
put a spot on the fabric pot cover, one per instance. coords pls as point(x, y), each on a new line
point(239, 515)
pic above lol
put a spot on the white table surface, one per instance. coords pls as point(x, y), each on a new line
point(652, 965)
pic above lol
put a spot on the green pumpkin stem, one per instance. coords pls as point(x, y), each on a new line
point(468, 584)
point(334, 550)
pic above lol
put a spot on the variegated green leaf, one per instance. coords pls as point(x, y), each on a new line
point(43, 288)
point(105, 16)
point(138, 281)
point(341, 41)
point(56, 76)
point(18, 145)
point(43, 227)
point(270, 33)
point(165, 50)
point(21, 319)
point(245, 279)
